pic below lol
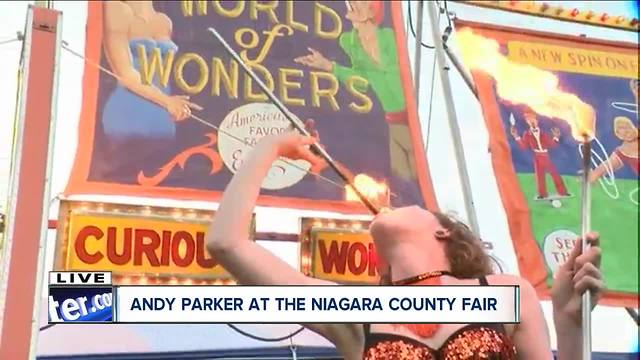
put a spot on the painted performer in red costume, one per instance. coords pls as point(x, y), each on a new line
point(539, 142)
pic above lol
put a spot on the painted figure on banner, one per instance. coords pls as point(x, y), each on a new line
point(139, 117)
point(540, 142)
point(372, 51)
point(625, 155)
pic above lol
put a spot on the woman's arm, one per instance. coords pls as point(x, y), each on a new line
point(117, 17)
point(581, 272)
point(228, 235)
point(613, 162)
point(531, 335)
point(251, 264)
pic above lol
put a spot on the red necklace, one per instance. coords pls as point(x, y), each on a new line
point(431, 278)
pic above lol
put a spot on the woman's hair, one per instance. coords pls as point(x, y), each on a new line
point(464, 250)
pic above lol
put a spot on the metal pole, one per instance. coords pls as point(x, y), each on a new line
point(586, 226)
point(465, 75)
point(418, 50)
point(453, 121)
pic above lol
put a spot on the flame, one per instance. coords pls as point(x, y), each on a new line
point(377, 192)
point(523, 84)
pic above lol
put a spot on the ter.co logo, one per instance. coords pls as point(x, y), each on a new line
point(80, 297)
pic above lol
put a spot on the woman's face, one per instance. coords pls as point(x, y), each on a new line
point(626, 131)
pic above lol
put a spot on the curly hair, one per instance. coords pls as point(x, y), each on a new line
point(464, 250)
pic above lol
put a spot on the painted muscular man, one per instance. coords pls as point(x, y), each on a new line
point(539, 142)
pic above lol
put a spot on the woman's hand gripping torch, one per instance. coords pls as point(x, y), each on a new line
point(582, 119)
point(296, 123)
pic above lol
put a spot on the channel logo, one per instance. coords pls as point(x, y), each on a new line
point(80, 297)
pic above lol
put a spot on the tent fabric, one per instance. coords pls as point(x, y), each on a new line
point(321, 353)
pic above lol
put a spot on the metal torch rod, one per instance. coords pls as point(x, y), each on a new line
point(294, 121)
point(586, 226)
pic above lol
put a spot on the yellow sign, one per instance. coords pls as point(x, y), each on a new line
point(341, 251)
point(571, 59)
point(140, 241)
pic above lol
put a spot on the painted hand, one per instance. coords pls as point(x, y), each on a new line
point(315, 60)
point(514, 132)
point(180, 107)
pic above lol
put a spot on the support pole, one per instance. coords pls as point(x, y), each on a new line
point(418, 51)
point(451, 116)
point(465, 75)
point(27, 215)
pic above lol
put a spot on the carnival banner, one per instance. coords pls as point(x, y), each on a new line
point(526, 81)
point(342, 64)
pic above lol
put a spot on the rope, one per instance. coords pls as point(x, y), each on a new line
point(413, 31)
point(266, 339)
point(4, 42)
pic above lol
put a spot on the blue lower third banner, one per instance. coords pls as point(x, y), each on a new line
point(80, 304)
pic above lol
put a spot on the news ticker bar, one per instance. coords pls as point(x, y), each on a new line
point(91, 298)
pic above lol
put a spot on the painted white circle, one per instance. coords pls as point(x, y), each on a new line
point(557, 247)
point(243, 127)
point(556, 203)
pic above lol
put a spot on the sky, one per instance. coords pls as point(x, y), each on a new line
point(607, 322)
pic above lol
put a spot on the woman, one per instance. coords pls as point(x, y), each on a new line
point(625, 155)
point(138, 118)
point(410, 242)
